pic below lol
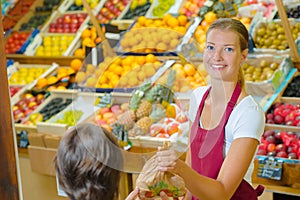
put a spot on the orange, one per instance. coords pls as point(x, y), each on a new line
point(149, 22)
point(141, 20)
point(62, 70)
point(189, 69)
point(172, 22)
point(150, 58)
point(52, 80)
point(86, 33)
point(103, 79)
point(118, 70)
point(166, 18)
point(140, 60)
point(182, 19)
point(76, 64)
point(79, 52)
point(42, 82)
point(61, 87)
point(210, 17)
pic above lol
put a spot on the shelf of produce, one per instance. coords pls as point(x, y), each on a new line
point(25, 59)
point(272, 45)
point(265, 73)
point(82, 106)
point(159, 8)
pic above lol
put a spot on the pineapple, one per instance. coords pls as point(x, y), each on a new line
point(145, 107)
point(129, 117)
point(145, 122)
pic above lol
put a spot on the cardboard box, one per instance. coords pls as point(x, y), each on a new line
point(41, 160)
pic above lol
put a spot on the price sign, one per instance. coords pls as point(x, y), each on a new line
point(270, 168)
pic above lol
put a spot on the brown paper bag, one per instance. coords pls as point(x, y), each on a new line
point(151, 182)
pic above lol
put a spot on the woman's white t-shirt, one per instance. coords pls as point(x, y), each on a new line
point(246, 120)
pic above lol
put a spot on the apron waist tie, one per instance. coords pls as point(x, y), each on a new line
point(259, 189)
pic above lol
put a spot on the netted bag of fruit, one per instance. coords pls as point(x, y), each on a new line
point(151, 182)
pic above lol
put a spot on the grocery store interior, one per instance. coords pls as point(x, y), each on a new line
point(100, 61)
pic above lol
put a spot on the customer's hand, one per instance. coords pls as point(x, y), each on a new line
point(133, 195)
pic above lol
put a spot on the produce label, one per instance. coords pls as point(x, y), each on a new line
point(270, 168)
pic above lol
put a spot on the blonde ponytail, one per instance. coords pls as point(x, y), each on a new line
point(241, 79)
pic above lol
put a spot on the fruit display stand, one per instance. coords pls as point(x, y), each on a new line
point(80, 109)
point(279, 172)
point(276, 44)
point(265, 73)
point(159, 8)
point(15, 13)
point(160, 36)
point(134, 9)
point(39, 12)
point(76, 5)
point(18, 41)
point(111, 10)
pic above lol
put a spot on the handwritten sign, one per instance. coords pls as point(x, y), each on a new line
point(270, 168)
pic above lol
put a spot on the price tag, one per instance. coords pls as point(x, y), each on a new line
point(105, 101)
point(270, 168)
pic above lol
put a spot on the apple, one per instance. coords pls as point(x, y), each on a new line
point(115, 107)
point(73, 30)
point(103, 110)
point(268, 133)
point(74, 25)
point(28, 96)
point(52, 25)
point(271, 153)
point(270, 139)
point(292, 155)
point(36, 117)
point(280, 147)
point(261, 152)
point(67, 18)
point(74, 21)
point(270, 116)
point(278, 119)
point(32, 104)
point(282, 154)
point(271, 147)
point(16, 112)
point(59, 20)
point(52, 30)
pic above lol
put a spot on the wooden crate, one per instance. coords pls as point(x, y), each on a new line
point(290, 176)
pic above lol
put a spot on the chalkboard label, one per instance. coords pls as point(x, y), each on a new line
point(270, 168)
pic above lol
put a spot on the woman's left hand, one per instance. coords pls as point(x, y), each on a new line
point(166, 159)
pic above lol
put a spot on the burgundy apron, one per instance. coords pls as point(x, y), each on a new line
point(207, 147)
